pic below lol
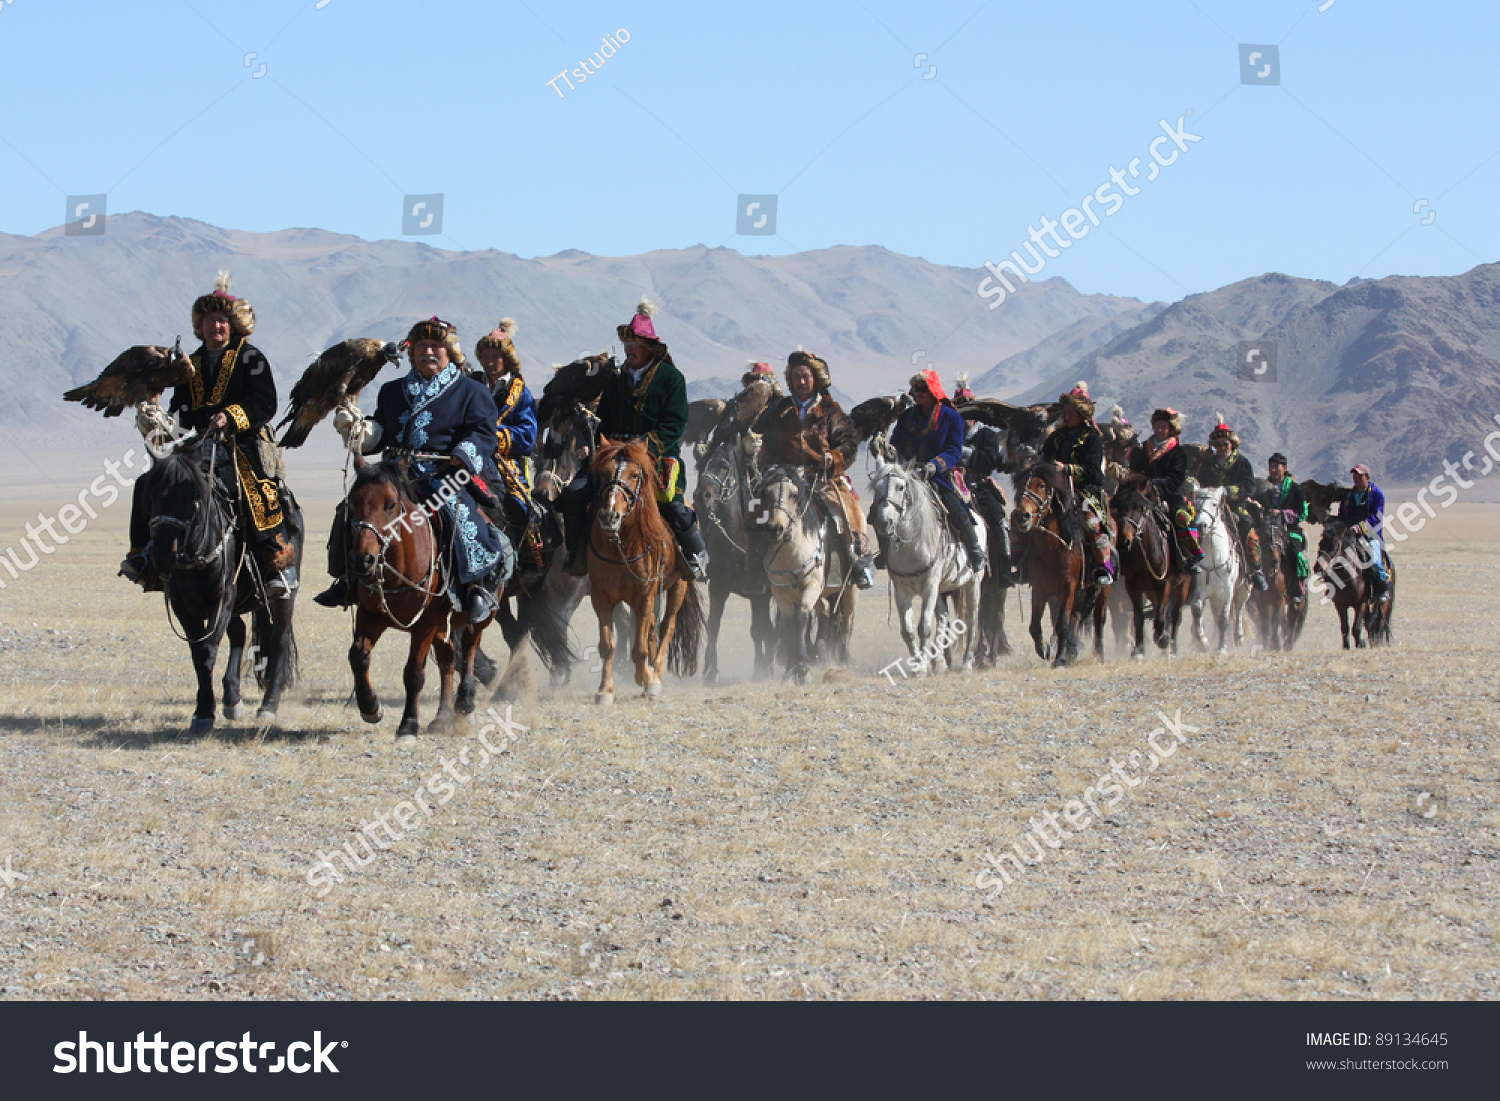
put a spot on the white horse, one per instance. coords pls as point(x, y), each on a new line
point(1220, 583)
point(922, 557)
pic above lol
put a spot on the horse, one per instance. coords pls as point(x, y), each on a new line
point(1221, 585)
point(1342, 560)
point(401, 581)
point(632, 559)
point(922, 557)
point(1149, 570)
point(722, 501)
point(1059, 576)
point(211, 580)
point(796, 561)
point(1278, 621)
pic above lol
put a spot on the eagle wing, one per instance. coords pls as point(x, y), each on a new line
point(1321, 497)
point(1026, 424)
point(340, 372)
point(135, 375)
point(873, 417)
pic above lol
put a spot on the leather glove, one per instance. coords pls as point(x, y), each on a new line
point(349, 424)
point(151, 420)
point(930, 471)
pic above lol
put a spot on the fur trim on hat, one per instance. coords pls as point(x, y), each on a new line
point(502, 337)
point(1171, 416)
point(1074, 400)
point(819, 367)
point(1222, 431)
point(219, 300)
point(434, 328)
point(758, 371)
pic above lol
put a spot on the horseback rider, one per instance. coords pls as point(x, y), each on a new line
point(1161, 463)
point(1077, 450)
point(436, 409)
point(1363, 510)
point(646, 400)
point(515, 436)
point(762, 377)
point(232, 393)
point(961, 390)
point(983, 456)
point(808, 431)
point(1286, 496)
point(1228, 469)
point(931, 432)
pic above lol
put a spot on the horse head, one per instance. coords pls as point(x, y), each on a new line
point(379, 513)
point(893, 493)
point(1131, 507)
point(1040, 491)
point(776, 508)
point(187, 527)
point(564, 453)
point(627, 484)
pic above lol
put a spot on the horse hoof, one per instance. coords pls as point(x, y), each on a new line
point(200, 725)
point(234, 711)
point(407, 729)
point(463, 703)
point(711, 678)
point(406, 739)
point(653, 690)
point(372, 716)
point(265, 718)
point(604, 699)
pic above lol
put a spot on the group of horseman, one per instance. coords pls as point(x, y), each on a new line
point(443, 419)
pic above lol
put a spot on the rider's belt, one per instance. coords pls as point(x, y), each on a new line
point(668, 470)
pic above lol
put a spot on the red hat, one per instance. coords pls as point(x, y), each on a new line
point(760, 367)
point(929, 378)
point(1360, 468)
point(961, 390)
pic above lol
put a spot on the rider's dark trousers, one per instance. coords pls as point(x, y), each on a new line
point(990, 501)
point(958, 512)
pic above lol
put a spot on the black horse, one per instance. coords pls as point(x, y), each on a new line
point(212, 580)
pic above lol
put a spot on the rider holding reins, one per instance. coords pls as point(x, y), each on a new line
point(1161, 463)
point(931, 433)
point(1077, 450)
point(1232, 471)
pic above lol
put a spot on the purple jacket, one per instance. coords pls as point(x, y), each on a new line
point(1369, 506)
point(916, 439)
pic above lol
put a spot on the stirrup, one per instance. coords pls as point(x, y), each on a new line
point(338, 595)
point(1102, 577)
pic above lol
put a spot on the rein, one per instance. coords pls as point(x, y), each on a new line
point(632, 497)
point(385, 537)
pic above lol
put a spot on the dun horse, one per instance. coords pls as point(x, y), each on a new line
point(211, 582)
point(632, 559)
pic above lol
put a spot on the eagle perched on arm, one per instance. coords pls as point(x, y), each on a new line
point(339, 373)
point(136, 375)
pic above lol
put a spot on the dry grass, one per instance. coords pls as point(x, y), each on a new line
point(759, 841)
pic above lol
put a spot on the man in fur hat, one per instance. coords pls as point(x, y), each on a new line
point(1228, 469)
point(647, 400)
point(808, 431)
point(232, 394)
point(1286, 496)
point(1076, 448)
point(515, 436)
point(437, 409)
point(1161, 463)
point(931, 433)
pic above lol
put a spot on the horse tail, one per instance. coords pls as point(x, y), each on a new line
point(687, 639)
point(549, 631)
point(262, 634)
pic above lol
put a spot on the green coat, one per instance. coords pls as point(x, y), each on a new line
point(655, 410)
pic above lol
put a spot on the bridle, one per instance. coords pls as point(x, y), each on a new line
point(896, 496)
point(385, 537)
point(548, 474)
point(632, 495)
point(815, 558)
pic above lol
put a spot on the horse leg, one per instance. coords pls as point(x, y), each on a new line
point(414, 676)
point(846, 624)
point(801, 624)
point(233, 708)
point(204, 654)
point(604, 611)
point(676, 595)
point(1038, 606)
point(1067, 647)
point(762, 635)
point(443, 649)
point(367, 632)
point(467, 656)
point(1101, 608)
point(718, 596)
point(1138, 626)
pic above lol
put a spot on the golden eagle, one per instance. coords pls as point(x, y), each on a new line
point(340, 372)
point(136, 375)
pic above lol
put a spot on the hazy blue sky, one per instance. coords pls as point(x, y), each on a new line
point(1380, 105)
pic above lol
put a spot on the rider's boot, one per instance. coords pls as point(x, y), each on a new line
point(1252, 558)
point(479, 602)
point(1191, 550)
point(694, 551)
point(1104, 574)
point(978, 560)
point(864, 561)
point(280, 559)
point(338, 595)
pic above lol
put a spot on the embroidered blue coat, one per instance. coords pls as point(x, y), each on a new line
point(916, 439)
point(450, 414)
point(515, 436)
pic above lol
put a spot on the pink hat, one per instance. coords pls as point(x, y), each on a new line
point(759, 368)
point(1360, 468)
point(639, 327)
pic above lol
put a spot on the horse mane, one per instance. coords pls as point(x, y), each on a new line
point(653, 525)
point(386, 472)
point(1068, 521)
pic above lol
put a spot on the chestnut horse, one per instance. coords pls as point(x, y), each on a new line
point(1056, 565)
point(1341, 565)
point(1279, 621)
point(632, 559)
point(1149, 569)
point(401, 581)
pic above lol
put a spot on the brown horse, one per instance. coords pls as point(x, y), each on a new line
point(1341, 564)
point(1149, 570)
point(1056, 565)
point(400, 582)
point(632, 559)
point(1277, 618)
